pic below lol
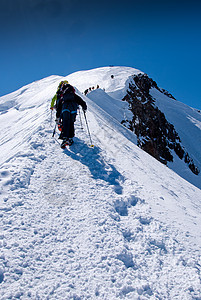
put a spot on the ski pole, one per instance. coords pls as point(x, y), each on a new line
point(88, 129)
point(80, 118)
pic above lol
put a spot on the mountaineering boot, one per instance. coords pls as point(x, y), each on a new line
point(64, 143)
point(70, 141)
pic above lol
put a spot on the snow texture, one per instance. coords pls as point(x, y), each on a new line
point(108, 222)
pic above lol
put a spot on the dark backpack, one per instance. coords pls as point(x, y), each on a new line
point(68, 93)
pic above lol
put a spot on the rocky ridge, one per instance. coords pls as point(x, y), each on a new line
point(155, 134)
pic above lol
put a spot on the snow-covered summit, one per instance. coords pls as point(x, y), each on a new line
point(109, 222)
point(111, 79)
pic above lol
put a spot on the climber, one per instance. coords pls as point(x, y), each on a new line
point(67, 102)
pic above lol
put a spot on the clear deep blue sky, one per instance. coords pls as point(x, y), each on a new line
point(57, 37)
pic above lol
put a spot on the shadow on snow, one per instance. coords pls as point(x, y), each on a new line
point(92, 158)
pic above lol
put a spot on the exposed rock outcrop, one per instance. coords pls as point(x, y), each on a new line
point(155, 134)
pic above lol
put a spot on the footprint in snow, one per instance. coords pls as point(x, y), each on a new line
point(121, 207)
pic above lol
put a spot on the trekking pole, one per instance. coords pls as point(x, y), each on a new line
point(51, 118)
point(80, 118)
point(54, 130)
point(88, 129)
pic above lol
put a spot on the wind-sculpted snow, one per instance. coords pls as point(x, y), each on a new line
point(108, 222)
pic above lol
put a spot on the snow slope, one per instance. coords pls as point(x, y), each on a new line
point(186, 120)
point(108, 222)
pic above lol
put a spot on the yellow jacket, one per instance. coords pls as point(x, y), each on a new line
point(55, 96)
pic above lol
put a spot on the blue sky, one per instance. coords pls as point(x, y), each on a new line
point(57, 37)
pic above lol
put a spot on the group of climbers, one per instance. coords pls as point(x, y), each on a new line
point(66, 102)
point(90, 89)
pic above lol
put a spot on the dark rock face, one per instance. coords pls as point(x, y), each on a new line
point(155, 134)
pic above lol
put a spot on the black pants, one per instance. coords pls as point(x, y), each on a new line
point(68, 124)
point(58, 108)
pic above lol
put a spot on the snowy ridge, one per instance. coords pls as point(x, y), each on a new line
point(186, 120)
point(104, 223)
point(115, 86)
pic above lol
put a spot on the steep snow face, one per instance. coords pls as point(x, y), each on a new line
point(116, 108)
point(108, 222)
